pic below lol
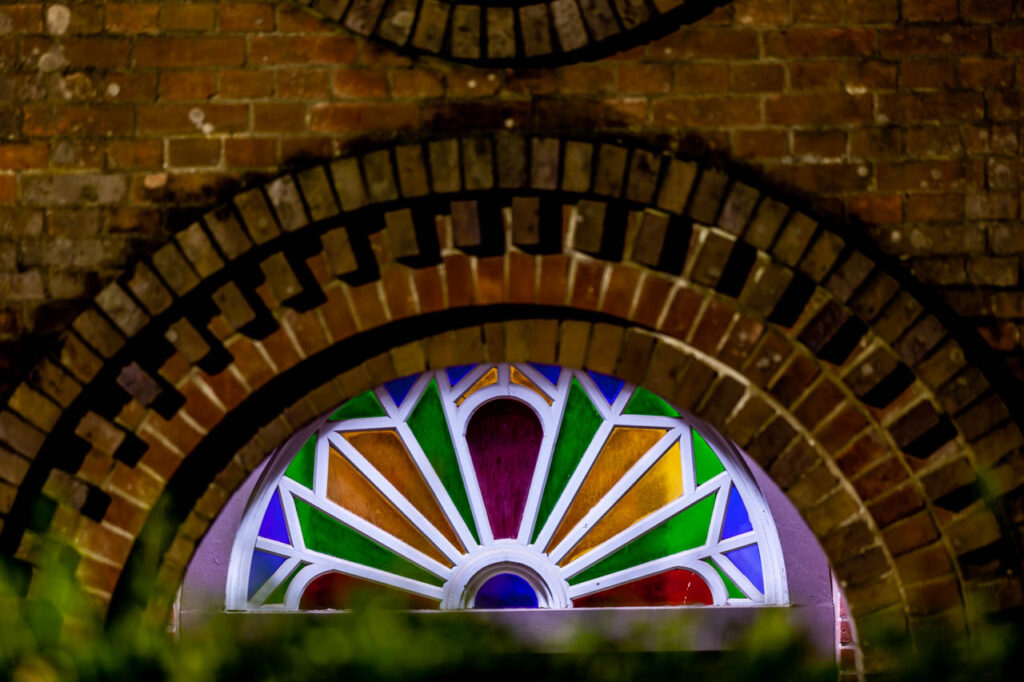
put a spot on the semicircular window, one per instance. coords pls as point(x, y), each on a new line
point(507, 486)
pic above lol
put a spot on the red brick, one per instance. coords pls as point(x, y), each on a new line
point(986, 10)
point(700, 78)
point(189, 51)
point(24, 17)
point(929, 10)
point(820, 42)
point(246, 16)
point(932, 41)
point(760, 143)
point(818, 109)
point(135, 154)
point(757, 77)
point(187, 17)
point(935, 207)
point(181, 118)
point(302, 83)
point(644, 78)
point(360, 84)
point(193, 152)
point(706, 44)
point(127, 17)
point(245, 84)
point(97, 120)
point(8, 188)
point(250, 152)
point(324, 49)
point(706, 111)
point(877, 208)
point(279, 117)
point(188, 85)
point(344, 117)
point(417, 83)
point(22, 156)
point(101, 53)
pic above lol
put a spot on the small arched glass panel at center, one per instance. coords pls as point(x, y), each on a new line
point(507, 486)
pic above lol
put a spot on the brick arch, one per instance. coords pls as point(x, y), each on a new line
point(510, 33)
point(862, 401)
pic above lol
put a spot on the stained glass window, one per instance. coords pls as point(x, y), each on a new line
point(501, 486)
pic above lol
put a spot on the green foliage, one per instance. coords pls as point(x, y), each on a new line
point(52, 634)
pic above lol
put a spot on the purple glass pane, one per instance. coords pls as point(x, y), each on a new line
point(737, 520)
point(399, 388)
point(504, 439)
point(273, 526)
point(455, 374)
point(609, 386)
point(748, 560)
point(506, 591)
point(549, 372)
point(263, 566)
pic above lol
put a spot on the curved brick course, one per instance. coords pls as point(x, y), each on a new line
point(511, 32)
point(858, 399)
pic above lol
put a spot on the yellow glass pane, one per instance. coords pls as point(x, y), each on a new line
point(349, 489)
point(491, 377)
point(662, 484)
point(523, 380)
point(620, 452)
point(388, 455)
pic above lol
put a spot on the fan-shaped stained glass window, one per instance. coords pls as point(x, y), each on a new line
point(507, 486)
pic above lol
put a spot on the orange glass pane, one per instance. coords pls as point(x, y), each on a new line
point(491, 377)
point(620, 452)
point(662, 484)
point(349, 489)
point(523, 380)
point(388, 455)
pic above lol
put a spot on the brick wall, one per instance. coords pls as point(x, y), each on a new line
point(897, 122)
point(904, 115)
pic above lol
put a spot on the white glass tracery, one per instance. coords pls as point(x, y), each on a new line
point(507, 486)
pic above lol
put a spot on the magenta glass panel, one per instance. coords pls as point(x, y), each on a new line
point(504, 439)
point(677, 587)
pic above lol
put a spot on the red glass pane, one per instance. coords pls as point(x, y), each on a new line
point(677, 587)
point(339, 591)
point(504, 440)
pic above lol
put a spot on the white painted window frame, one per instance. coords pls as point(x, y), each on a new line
point(482, 558)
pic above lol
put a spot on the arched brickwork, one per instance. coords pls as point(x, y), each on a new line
point(509, 32)
point(867, 404)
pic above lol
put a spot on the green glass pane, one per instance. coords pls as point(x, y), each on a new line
point(579, 424)
point(277, 596)
point(645, 402)
point(301, 468)
point(327, 535)
point(730, 587)
point(705, 461)
point(430, 428)
point(685, 530)
point(363, 405)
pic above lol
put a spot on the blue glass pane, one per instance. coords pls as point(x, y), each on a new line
point(399, 388)
point(273, 526)
point(263, 566)
point(748, 560)
point(549, 372)
point(609, 386)
point(737, 520)
point(455, 374)
point(506, 591)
